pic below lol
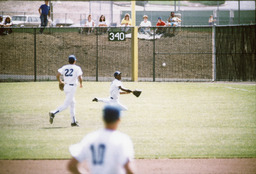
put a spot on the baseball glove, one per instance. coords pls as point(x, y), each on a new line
point(136, 93)
point(61, 86)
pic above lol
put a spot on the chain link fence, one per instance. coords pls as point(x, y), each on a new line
point(28, 55)
point(186, 55)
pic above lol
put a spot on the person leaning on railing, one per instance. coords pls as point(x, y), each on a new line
point(160, 26)
point(126, 22)
point(145, 25)
point(6, 26)
point(89, 24)
point(102, 23)
point(173, 20)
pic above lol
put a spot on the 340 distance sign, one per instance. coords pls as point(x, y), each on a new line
point(116, 36)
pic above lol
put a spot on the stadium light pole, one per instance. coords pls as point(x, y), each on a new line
point(52, 4)
point(238, 11)
point(134, 44)
point(90, 7)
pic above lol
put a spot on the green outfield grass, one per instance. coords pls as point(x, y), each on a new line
point(169, 120)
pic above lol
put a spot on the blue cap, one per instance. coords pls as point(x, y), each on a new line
point(117, 73)
point(159, 18)
point(72, 57)
point(111, 113)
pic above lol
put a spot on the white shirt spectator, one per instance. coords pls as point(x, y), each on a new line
point(90, 24)
point(103, 22)
point(145, 24)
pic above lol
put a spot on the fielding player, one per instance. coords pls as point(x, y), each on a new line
point(71, 73)
point(106, 151)
point(115, 88)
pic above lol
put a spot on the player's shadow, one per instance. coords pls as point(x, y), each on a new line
point(54, 127)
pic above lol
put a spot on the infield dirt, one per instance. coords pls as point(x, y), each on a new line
point(143, 166)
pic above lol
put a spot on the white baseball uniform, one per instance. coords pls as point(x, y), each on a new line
point(114, 95)
point(106, 151)
point(70, 73)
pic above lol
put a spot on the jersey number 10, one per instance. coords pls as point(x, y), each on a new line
point(98, 154)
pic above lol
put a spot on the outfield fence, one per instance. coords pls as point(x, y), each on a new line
point(188, 53)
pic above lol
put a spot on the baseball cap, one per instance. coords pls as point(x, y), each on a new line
point(117, 73)
point(111, 113)
point(159, 18)
point(72, 57)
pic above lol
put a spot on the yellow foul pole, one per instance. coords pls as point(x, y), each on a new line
point(135, 61)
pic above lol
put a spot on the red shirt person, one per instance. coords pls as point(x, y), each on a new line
point(161, 23)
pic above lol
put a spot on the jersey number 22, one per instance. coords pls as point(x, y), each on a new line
point(69, 72)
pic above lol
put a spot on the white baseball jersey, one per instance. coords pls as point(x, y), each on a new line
point(106, 151)
point(70, 73)
point(114, 89)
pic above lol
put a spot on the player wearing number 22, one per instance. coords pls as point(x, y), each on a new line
point(106, 151)
point(71, 73)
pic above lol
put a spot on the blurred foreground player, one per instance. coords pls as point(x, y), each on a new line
point(106, 151)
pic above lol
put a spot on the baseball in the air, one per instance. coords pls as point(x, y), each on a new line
point(164, 64)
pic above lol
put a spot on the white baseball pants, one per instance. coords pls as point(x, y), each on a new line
point(113, 102)
point(70, 91)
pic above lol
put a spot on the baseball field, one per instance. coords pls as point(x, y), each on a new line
point(168, 121)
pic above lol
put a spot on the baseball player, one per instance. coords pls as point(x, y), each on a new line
point(71, 73)
point(115, 88)
point(106, 151)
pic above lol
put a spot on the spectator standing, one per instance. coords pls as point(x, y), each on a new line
point(145, 25)
point(211, 20)
point(44, 11)
point(160, 24)
point(107, 151)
